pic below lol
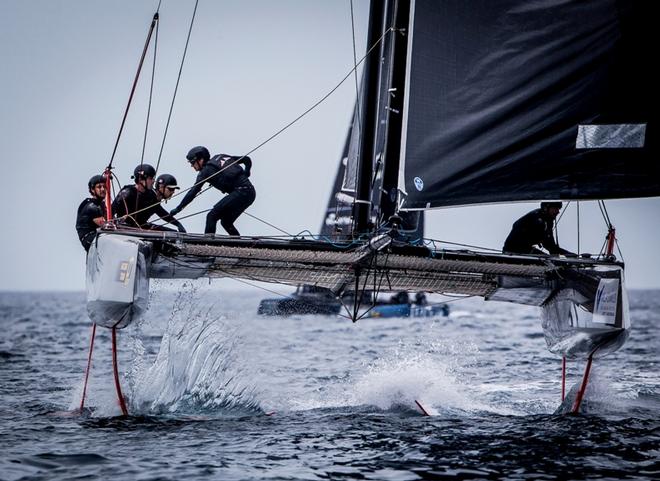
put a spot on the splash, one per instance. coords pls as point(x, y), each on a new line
point(600, 397)
point(434, 373)
point(197, 369)
point(430, 376)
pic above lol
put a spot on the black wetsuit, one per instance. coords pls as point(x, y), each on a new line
point(88, 210)
point(534, 228)
point(232, 180)
point(129, 200)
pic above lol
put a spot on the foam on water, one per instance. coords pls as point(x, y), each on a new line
point(435, 373)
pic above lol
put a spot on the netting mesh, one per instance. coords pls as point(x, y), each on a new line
point(340, 270)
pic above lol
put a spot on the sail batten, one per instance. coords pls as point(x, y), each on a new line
point(514, 101)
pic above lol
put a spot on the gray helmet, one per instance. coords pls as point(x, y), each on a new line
point(143, 171)
point(166, 180)
point(95, 180)
point(199, 152)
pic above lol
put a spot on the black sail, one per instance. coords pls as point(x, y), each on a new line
point(338, 221)
point(520, 100)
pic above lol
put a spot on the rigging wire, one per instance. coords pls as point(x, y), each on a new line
point(432, 242)
point(154, 21)
point(245, 212)
point(280, 131)
point(176, 88)
point(268, 224)
point(355, 64)
point(261, 287)
point(603, 211)
point(577, 203)
point(151, 92)
point(608, 222)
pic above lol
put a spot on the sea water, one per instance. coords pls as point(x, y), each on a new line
point(216, 392)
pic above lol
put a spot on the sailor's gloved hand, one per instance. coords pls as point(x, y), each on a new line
point(175, 211)
point(181, 229)
point(247, 172)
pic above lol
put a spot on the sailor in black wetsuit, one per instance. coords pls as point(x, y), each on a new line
point(535, 228)
point(225, 173)
point(135, 204)
point(165, 187)
point(91, 212)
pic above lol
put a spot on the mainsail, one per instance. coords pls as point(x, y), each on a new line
point(517, 100)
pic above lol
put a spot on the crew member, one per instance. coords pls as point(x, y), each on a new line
point(135, 204)
point(535, 228)
point(225, 173)
point(91, 212)
point(166, 185)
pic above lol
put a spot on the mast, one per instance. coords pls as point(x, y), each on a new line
point(394, 112)
point(362, 206)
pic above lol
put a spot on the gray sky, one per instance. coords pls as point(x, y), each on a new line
point(252, 67)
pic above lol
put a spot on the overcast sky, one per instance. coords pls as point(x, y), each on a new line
point(252, 67)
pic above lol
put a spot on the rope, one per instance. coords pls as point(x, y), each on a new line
point(276, 134)
point(603, 211)
point(245, 212)
point(151, 93)
point(176, 88)
point(268, 223)
point(428, 242)
point(135, 81)
point(606, 217)
point(260, 287)
point(287, 126)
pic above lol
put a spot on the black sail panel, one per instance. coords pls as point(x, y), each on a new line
point(519, 100)
point(338, 221)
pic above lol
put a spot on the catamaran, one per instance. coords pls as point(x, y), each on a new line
point(461, 103)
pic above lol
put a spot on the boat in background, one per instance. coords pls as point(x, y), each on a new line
point(306, 299)
point(405, 309)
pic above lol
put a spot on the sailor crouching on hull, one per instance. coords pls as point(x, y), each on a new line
point(135, 204)
point(225, 173)
point(91, 213)
point(536, 228)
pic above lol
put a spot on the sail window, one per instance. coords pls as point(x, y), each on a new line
point(613, 136)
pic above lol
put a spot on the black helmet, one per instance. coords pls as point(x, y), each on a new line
point(199, 152)
point(94, 181)
point(166, 180)
point(143, 171)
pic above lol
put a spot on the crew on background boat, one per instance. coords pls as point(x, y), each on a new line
point(135, 204)
point(224, 172)
point(91, 213)
point(400, 298)
point(535, 228)
point(420, 299)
